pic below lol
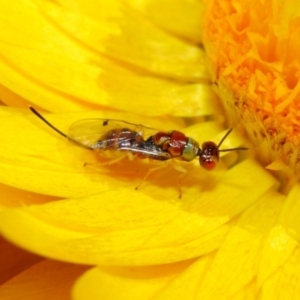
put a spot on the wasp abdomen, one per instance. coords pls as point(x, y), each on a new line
point(120, 138)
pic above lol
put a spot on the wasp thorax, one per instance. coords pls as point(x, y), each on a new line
point(209, 155)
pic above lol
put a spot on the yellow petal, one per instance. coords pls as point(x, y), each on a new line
point(144, 94)
point(284, 283)
point(282, 243)
point(40, 63)
point(181, 17)
point(13, 197)
point(231, 269)
point(70, 68)
point(186, 284)
point(111, 27)
point(236, 262)
point(45, 280)
point(126, 282)
point(125, 226)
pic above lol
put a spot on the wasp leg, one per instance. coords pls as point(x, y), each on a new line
point(161, 166)
point(183, 171)
point(114, 160)
point(109, 162)
point(129, 155)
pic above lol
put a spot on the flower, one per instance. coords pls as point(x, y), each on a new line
point(253, 58)
point(232, 234)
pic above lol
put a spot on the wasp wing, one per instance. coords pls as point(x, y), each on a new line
point(111, 134)
point(89, 132)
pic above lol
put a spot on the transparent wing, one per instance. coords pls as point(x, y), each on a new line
point(105, 134)
point(89, 132)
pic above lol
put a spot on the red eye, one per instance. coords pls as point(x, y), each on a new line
point(208, 164)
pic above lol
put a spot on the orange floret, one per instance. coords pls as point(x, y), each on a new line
point(253, 55)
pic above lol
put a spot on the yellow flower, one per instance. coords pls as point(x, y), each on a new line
point(232, 235)
point(254, 58)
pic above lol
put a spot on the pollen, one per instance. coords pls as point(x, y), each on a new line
point(253, 56)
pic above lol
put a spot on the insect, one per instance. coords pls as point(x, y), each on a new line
point(121, 136)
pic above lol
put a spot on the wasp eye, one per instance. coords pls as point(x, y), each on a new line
point(208, 164)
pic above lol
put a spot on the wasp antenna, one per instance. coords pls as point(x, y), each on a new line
point(233, 149)
point(47, 122)
point(223, 139)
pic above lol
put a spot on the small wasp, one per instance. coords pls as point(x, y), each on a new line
point(125, 136)
point(115, 135)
